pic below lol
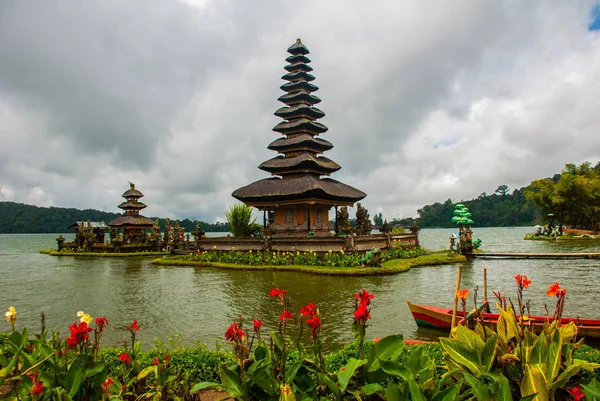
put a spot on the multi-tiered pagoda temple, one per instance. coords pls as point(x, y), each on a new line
point(297, 196)
point(132, 222)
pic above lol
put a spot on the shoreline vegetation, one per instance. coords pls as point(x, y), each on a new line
point(564, 237)
point(54, 252)
point(393, 266)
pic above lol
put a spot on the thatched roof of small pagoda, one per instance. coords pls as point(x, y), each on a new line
point(276, 189)
point(129, 220)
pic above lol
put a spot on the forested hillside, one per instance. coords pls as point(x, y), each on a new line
point(21, 218)
point(500, 209)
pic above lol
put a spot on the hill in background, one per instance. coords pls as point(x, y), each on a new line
point(19, 218)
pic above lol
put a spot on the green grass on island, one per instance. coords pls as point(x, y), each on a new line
point(54, 252)
point(392, 266)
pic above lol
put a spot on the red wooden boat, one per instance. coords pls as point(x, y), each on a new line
point(441, 318)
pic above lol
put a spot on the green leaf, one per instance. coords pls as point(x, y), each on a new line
point(480, 390)
point(261, 352)
point(469, 338)
point(393, 393)
point(554, 357)
point(449, 394)
point(592, 389)
point(388, 348)
point(534, 382)
point(232, 383)
point(201, 386)
point(11, 365)
point(415, 391)
point(146, 371)
point(371, 388)
point(277, 339)
point(94, 368)
point(290, 374)
point(462, 355)
point(264, 380)
point(347, 372)
point(74, 378)
point(488, 354)
point(332, 386)
point(565, 375)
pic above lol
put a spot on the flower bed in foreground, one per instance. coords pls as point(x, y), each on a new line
point(393, 266)
point(509, 361)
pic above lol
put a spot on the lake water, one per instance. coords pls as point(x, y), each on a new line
point(200, 303)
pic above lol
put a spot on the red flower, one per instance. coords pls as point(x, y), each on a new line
point(308, 310)
point(107, 383)
point(78, 334)
point(462, 294)
point(315, 324)
point(101, 323)
point(234, 333)
point(362, 313)
point(554, 290)
point(134, 326)
point(364, 297)
point(155, 361)
point(286, 315)
point(522, 281)
point(168, 357)
point(257, 324)
point(276, 292)
point(125, 358)
point(38, 388)
point(577, 393)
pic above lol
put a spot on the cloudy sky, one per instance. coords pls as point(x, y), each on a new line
point(424, 101)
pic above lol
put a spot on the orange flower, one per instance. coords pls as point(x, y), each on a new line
point(376, 339)
point(462, 294)
point(554, 290)
point(522, 281)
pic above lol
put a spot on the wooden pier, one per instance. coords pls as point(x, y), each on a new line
point(513, 255)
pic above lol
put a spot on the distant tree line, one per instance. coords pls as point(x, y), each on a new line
point(18, 218)
point(500, 209)
point(571, 198)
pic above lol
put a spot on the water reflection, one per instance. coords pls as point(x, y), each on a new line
point(200, 302)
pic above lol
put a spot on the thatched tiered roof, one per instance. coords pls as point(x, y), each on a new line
point(299, 164)
point(132, 206)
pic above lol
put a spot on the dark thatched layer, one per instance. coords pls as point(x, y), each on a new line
point(131, 221)
point(132, 193)
point(299, 85)
point(304, 141)
point(298, 67)
point(132, 205)
point(297, 59)
point(298, 75)
point(304, 161)
point(299, 110)
point(300, 126)
point(299, 97)
point(298, 48)
point(306, 187)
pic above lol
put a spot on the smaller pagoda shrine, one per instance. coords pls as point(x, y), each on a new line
point(296, 198)
point(132, 224)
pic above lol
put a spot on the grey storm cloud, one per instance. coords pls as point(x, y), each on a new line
point(424, 100)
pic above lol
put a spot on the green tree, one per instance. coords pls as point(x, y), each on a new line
point(378, 219)
point(573, 199)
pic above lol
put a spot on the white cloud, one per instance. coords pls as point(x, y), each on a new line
point(424, 101)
